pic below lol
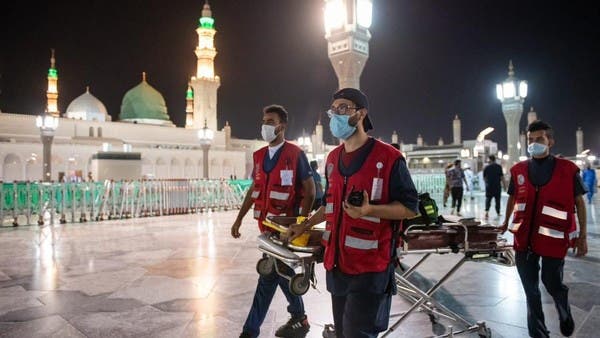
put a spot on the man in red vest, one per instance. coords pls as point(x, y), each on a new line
point(368, 191)
point(282, 185)
point(544, 192)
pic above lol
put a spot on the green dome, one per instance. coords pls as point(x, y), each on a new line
point(143, 103)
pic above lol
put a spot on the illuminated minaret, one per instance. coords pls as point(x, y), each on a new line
point(52, 93)
point(205, 83)
point(189, 107)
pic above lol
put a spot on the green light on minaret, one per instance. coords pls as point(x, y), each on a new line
point(189, 94)
point(53, 73)
point(207, 22)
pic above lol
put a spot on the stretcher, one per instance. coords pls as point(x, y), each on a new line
point(300, 255)
point(476, 242)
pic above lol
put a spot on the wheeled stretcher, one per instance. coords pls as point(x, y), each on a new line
point(301, 255)
point(477, 243)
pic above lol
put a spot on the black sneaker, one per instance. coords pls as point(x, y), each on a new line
point(567, 326)
point(294, 328)
point(245, 335)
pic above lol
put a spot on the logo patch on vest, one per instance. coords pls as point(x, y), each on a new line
point(521, 179)
point(329, 170)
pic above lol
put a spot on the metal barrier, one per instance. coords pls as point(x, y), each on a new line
point(21, 202)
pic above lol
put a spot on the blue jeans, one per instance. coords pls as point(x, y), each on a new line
point(264, 295)
point(528, 266)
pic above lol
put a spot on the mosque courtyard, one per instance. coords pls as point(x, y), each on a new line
point(185, 276)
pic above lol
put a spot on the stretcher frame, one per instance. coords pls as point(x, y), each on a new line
point(499, 252)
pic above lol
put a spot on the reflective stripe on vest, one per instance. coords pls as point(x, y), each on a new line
point(520, 206)
point(551, 232)
point(255, 194)
point(326, 235)
point(371, 219)
point(329, 208)
point(269, 214)
point(276, 195)
point(554, 212)
point(573, 234)
point(359, 243)
point(515, 226)
point(256, 213)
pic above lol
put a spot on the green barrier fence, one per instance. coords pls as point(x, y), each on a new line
point(30, 202)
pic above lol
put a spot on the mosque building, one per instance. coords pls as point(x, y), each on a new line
point(143, 127)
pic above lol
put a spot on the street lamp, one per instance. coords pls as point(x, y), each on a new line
point(512, 93)
point(347, 25)
point(305, 143)
point(205, 136)
point(47, 125)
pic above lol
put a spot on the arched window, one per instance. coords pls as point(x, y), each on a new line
point(91, 132)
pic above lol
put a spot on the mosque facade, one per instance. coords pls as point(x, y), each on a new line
point(143, 126)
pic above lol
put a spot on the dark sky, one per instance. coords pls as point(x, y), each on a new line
point(429, 60)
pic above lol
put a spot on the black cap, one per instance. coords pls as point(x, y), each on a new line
point(360, 100)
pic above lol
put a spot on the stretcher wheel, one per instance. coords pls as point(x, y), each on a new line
point(299, 285)
point(264, 266)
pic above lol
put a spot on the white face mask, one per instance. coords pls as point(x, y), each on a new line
point(268, 133)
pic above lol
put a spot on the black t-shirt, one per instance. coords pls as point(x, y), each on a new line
point(492, 175)
point(540, 172)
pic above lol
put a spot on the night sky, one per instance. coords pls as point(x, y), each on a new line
point(429, 60)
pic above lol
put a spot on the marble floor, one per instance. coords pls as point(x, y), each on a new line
point(185, 276)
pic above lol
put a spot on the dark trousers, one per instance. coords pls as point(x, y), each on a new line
point(552, 275)
point(265, 290)
point(361, 314)
point(488, 201)
point(457, 195)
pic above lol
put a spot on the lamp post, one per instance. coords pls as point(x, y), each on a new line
point(205, 136)
point(347, 25)
point(47, 125)
point(512, 93)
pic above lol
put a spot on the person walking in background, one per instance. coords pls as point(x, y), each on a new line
point(456, 178)
point(318, 185)
point(447, 185)
point(469, 176)
point(589, 179)
point(494, 180)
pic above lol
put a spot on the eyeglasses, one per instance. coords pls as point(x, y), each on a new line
point(340, 110)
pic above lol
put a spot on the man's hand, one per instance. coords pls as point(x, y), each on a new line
point(295, 230)
point(580, 248)
point(356, 212)
point(235, 229)
point(504, 227)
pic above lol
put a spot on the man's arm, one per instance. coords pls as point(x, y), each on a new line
point(308, 185)
point(246, 204)
point(581, 242)
point(296, 230)
point(510, 205)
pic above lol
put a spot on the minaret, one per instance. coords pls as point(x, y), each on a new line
point(456, 129)
point(205, 83)
point(395, 137)
point(523, 143)
point(189, 107)
point(531, 116)
point(420, 140)
point(318, 142)
point(579, 140)
point(227, 131)
point(52, 93)
point(347, 32)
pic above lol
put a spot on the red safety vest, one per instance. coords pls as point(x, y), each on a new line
point(270, 196)
point(544, 217)
point(364, 244)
